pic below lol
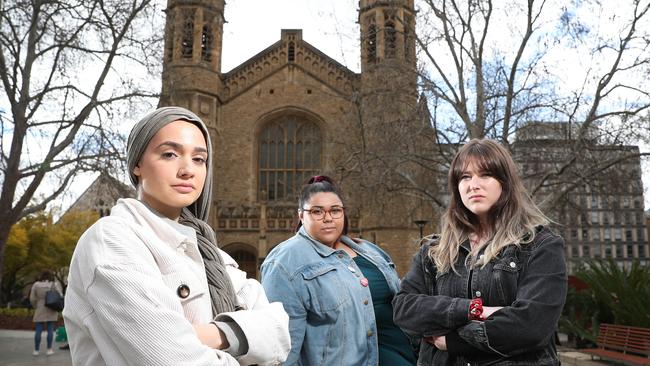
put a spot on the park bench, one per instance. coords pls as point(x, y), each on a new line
point(621, 343)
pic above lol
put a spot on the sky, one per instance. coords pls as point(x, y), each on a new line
point(331, 26)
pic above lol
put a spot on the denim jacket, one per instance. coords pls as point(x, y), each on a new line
point(529, 281)
point(331, 316)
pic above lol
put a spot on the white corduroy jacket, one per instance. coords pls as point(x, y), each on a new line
point(123, 304)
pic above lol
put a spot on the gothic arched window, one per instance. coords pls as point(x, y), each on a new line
point(372, 43)
point(187, 37)
point(206, 43)
point(391, 39)
point(289, 153)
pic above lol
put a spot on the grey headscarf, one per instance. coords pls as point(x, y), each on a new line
point(194, 215)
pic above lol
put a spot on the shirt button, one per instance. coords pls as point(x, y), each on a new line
point(513, 264)
point(340, 255)
point(480, 257)
point(478, 293)
point(365, 302)
point(369, 333)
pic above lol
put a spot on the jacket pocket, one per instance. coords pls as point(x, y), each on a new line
point(505, 274)
point(325, 287)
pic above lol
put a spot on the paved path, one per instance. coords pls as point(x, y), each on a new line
point(16, 347)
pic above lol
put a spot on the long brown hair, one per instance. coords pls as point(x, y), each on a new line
point(511, 220)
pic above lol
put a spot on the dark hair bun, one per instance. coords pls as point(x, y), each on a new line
point(320, 178)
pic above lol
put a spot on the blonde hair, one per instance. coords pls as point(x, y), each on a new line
point(511, 220)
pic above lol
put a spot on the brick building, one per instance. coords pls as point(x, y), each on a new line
point(292, 111)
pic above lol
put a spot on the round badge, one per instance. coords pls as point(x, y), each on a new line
point(183, 291)
point(364, 282)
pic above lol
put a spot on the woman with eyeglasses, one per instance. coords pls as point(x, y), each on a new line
point(336, 290)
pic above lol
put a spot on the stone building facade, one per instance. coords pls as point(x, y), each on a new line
point(101, 195)
point(291, 112)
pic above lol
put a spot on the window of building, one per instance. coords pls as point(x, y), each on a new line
point(585, 251)
point(626, 201)
point(371, 40)
point(595, 234)
point(630, 251)
point(594, 201)
point(391, 39)
point(169, 40)
point(187, 36)
point(628, 235)
point(594, 217)
point(291, 54)
point(619, 251)
point(641, 249)
point(607, 234)
point(596, 250)
point(618, 234)
point(289, 153)
point(407, 40)
point(207, 43)
point(608, 251)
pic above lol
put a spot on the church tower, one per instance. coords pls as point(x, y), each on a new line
point(387, 36)
point(191, 75)
point(390, 116)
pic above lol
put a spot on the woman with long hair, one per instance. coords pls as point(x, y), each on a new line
point(490, 288)
point(44, 317)
point(148, 284)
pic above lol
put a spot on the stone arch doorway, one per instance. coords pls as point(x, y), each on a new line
point(246, 257)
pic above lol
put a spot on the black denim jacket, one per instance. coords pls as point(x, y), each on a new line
point(529, 281)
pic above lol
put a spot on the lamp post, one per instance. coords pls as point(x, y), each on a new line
point(420, 224)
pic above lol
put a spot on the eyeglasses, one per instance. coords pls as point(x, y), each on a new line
point(318, 213)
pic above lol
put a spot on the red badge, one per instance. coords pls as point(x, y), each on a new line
point(364, 282)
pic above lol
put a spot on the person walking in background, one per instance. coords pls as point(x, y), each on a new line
point(148, 285)
point(337, 290)
point(44, 317)
point(490, 289)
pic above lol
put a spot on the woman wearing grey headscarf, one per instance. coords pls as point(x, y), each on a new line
point(148, 285)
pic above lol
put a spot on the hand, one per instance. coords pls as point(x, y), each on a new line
point(489, 310)
point(440, 342)
point(211, 336)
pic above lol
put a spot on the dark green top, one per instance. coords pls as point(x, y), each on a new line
point(394, 347)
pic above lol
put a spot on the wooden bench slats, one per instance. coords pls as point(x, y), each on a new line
point(616, 342)
point(636, 360)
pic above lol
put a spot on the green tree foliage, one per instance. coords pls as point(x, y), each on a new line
point(37, 243)
point(613, 295)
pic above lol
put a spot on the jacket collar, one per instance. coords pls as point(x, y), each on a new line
point(320, 248)
point(324, 250)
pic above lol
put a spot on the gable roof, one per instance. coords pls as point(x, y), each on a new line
point(291, 49)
